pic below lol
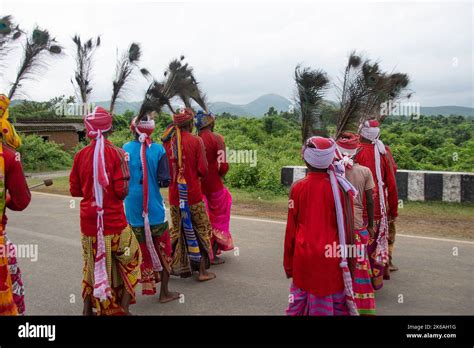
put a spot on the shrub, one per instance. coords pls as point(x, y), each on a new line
point(39, 155)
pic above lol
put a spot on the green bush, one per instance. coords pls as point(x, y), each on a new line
point(40, 155)
point(430, 143)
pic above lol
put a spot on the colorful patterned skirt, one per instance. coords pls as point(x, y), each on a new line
point(181, 264)
point(362, 278)
point(378, 269)
point(123, 259)
point(162, 243)
point(218, 205)
point(302, 303)
point(15, 274)
point(7, 303)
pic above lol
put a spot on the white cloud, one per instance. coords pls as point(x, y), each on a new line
point(242, 50)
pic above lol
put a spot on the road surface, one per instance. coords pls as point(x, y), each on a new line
point(435, 274)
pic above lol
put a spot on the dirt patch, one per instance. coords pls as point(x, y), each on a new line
point(438, 227)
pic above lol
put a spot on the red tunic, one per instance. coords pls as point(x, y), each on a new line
point(19, 195)
point(311, 227)
point(366, 157)
point(82, 185)
point(216, 160)
point(195, 167)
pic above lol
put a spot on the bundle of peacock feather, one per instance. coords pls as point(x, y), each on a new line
point(311, 86)
point(126, 64)
point(179, 82)
point(190, 90)
point(84, 60)
point(9, 32)
point(37, 48)
point(365, 88)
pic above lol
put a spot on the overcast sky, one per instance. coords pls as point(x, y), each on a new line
point(242, 50)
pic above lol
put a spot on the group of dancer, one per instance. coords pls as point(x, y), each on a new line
point(348, 198)
point(341, 231)
point(127, 244)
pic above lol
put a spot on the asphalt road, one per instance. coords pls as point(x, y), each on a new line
point(435, 274)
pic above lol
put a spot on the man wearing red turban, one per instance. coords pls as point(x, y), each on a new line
point(319, 219)
point(111, 251)
point(373, 154)
point(361, 178)
point(191, 231)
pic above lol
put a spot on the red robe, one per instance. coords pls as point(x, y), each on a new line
point(195, 167)
point(82, 185)
point(216, 160)
point(311, 227)
point(19, 195)
point(366, 157)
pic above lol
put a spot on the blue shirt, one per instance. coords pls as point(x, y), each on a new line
point(158, 176)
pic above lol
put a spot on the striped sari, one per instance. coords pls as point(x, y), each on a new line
point(302, 303)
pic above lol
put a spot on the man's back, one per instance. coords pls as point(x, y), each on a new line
point(82, 185)
point(312, 222)
point(134, 200)
point(366, 157)
point(361, 178)
point(195, 167)
point(217, 165)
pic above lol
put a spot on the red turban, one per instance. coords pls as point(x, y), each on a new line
point(347, 143)
point(98, 120)
point(184, 116)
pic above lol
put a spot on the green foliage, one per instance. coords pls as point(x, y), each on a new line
point(38, 110)
point(429, 143)
point(40, 155)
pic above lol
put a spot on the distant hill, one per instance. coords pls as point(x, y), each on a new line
point(256, 108)
point(447, 110)
point(260, 106)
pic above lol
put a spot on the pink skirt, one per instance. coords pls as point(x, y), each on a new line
point(302, 303)
point(218, 205)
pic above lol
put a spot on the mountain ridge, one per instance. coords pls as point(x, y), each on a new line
point(259, 106)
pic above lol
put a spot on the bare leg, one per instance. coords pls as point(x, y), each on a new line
point(165, 294)
point(203, 274)
point(125, 303)
point(217, 260)
point(87, 310)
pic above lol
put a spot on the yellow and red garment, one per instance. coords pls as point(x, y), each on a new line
point(7, 304)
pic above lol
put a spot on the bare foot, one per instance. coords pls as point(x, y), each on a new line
point(206, 276)
point(392, 267)
point(170, 296)
point(217, 261)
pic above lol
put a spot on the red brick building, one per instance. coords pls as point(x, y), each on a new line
point(67, 132)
